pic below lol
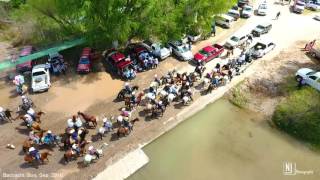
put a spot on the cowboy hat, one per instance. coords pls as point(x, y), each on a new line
point(90, 148)
point(31, 149)
point(49, 132)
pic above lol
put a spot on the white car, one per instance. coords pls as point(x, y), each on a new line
point(181, 50)
point(262, 9)
point(236, 40)
point(40, 78)
point(315, 6)
point(311, 77)
point(247, 11)
point(157, 49)
point(298, 7)
point(261, 48)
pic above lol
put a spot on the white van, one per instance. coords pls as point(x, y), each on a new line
point(224, 20)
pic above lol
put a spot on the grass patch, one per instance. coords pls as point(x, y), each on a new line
point(299, 114)
point(238, 97)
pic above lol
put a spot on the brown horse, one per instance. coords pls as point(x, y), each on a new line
point(124, 131)
point(38, 116)
point(34, 126)
point(28, 143)
point(87, 118)
point(70, 154)
point(43, 156)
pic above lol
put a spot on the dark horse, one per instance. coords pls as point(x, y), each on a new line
point(123, 92)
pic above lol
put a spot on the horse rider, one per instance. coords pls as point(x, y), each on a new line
point(2, 114)
point(28, 119)
point(128, 88)
point(107, 124)
point(74, 136)
point(26, 101)
point(93, 152)
point(77, 123)
point(120, 120)
point(34, 137)
point(32, 113)
point(75, 149)
point(49, 138)
point(34, 153)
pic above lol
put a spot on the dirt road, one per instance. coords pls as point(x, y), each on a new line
point(94, 94)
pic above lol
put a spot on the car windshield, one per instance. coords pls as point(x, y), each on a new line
point(311, 73)
point(300, 3)
point(234, 38)
point(84, 61)
point(203, 53)
point(263, 6)
point(247, 8)
point(39, 73)
point(259, 46)
point(260, 27)
point(183, 49)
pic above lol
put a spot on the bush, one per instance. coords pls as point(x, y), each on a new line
point(299, 115)
point(238, 97)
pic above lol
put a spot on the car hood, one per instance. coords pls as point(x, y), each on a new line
point(299, 7)
point(199, 57)
point(246, 12)
point(83, 66)
point(164, 51)
point(187, 55)
point(303, 71)
point(231, 43)
point(39, 81)
point(262, 10)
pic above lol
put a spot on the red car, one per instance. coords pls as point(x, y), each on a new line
point(26, 66)
point(208, 53)
point(85, 64)
point(120, 64)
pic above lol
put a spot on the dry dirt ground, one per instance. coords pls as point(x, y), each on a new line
point(264, 89)
point(94, 94)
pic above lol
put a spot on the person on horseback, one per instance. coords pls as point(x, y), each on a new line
point(49, 138)
point(77, 123)
point(28, 119)
point(34, 153)
point(93, 152)
point(107, 124)
point(34, 137)
point(75, 149)
point(74, 135)
point(32, 113)
point(128, 88)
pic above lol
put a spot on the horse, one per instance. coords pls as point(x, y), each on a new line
point(38, 116)
point(83, 133)
point(122, 131)
point(43, 156)
point(87, 118)
point(123, 92)
point(28, 143)
point(33, 126)
point(70, 154)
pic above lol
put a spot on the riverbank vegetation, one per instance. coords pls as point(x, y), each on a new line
point(105, 22)
point(238, 96)
point(299, 114)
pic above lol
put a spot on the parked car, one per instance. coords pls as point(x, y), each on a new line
point(85, 62)
point(236, 40)
point(262, 28)
point(158, 49)
point(261, 48)
point(246, 11)
point(311, 77)
point(141, 56)
point(313, 5)
point(262, 9)
point(224, 20)
point(181, 50)
point(242, 3)
point(40, 78)
point(234, 13)
point(26, 66)
point(298, 6)
point(120, 64)
point(194, 37)
point(235, 7)
point(208, 53)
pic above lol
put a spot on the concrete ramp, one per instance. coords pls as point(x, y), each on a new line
point(125, 166)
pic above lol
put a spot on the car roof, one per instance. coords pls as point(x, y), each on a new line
point(209, 48)
point(264, 24)
point(317, 74)
point(233, 11)
point(265, 40)
point(117, 56)
point(39, 66)
point(225, 16)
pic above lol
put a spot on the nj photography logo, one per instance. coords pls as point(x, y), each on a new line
point(290, 169)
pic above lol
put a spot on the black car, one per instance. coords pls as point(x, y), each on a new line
point(241, 3)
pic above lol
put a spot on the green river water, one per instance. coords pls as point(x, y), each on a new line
point(223, 142)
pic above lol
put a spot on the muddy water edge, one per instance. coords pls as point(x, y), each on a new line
point(226, 142)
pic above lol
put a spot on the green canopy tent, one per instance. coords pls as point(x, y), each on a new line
point(6, 64)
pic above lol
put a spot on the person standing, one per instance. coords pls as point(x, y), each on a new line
point(214, 29)
point(277, 16)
